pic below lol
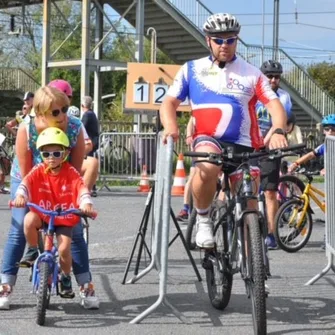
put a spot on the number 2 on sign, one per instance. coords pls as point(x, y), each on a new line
point(141, 93)
point(159, 93)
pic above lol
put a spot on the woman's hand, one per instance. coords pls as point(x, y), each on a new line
point(19, 201)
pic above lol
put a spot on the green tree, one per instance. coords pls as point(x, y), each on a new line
point(324, 74)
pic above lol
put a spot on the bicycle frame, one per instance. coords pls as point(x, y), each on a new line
point(312, 192)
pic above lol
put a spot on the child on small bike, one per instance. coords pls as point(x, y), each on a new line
point(328, 124)
point(53, 184)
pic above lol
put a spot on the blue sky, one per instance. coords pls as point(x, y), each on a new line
point(291, 35)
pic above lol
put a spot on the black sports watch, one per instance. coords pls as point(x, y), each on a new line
point(279, 131)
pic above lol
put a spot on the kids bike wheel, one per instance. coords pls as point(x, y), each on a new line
point(255, 263)
point(293, 226)
point(219, 279)
point(191, 231)
point(43, 294)
point(289, 187)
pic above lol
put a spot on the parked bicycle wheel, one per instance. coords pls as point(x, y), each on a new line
point(293, 225)
point(255, 264)
point(119, 159)
point(43, 296)
point(289, 187)
point(219, 279)
point(191, 231)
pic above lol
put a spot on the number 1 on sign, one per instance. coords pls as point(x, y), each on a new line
point(141, 93)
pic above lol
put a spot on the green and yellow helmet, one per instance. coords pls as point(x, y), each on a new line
point(52, 135)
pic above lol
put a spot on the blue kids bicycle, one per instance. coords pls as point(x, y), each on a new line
point(46, 270)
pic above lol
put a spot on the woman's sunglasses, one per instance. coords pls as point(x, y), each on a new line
point(220, 41)
point(55, 154)
point(56, 112)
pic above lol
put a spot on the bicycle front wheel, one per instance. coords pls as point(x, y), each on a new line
point(191, 230)
point(218, 275)
point(256, 282)
point(43, 293)
point(119, 158)
point(293, 225)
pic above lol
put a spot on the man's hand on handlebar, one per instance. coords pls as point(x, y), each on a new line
point(277, 141)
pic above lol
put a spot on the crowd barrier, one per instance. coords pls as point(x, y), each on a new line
point(122, 156)
point(330, 208)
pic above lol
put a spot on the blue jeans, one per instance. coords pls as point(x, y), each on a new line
point(16, 243)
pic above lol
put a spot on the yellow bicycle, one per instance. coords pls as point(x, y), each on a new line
point(294, 218)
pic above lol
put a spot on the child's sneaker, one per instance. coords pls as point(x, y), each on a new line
point(66, 287)
point(88, 298)
point(5, 296)
point(29, 258)
point(271, 242)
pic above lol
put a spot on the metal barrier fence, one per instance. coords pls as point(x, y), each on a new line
point(330, 208)
point(126, 155)
point(161, 228)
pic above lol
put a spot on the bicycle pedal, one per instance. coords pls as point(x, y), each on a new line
point(25, 265)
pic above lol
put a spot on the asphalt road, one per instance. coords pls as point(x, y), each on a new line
point(292, 308)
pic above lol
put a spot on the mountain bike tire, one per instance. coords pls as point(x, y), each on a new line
point(218, 277)
point(291, 181)
point(43, 293)
point(190, 231)
point(284, 217)
point(256, 284)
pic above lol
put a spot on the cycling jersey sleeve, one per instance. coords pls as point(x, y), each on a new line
point(263, 91)
point(180, 88)
point(320, 150)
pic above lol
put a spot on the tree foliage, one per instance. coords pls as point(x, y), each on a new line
point(324, 74)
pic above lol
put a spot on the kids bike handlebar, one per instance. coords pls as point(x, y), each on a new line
point(58, 212)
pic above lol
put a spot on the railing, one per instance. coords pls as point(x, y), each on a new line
point(197, 12)
point(14, 79)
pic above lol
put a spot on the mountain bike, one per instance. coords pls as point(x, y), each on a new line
point(289, 186)
point(293, 220)
point(45, 271)
point(239, 234)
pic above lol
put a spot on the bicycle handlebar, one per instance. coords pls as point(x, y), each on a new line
point(74, 211)
point(276, 153)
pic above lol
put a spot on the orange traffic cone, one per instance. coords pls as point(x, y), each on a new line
point(144, 183)
point(179, 180)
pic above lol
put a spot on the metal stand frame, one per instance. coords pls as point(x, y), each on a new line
point(329, 266)
point(160, 229)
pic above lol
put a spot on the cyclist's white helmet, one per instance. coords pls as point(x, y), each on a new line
point(73, 111)
point(221, 23)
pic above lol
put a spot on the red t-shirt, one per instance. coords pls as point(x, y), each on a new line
point(50, 191)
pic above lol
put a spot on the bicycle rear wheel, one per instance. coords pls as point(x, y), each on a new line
point(293, 226)
point(218, 276)
point(43, 293)
point(256, 283)
point(119, 159)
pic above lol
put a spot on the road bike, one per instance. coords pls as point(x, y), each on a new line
point(46, 270)
point(293, 220)
point(239, 234)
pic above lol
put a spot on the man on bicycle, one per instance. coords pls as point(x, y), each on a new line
point(223, 90)
point(270, 169)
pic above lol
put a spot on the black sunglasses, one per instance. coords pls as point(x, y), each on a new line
point(276, 76)
point(328, 128)
point(55, 154)
point(56, 112)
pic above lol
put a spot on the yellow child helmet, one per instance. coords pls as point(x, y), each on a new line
point(52, 135)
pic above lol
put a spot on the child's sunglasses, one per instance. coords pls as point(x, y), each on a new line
point(220, 41)
point(55, 154)
point(56, 112)
point(329, 128)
